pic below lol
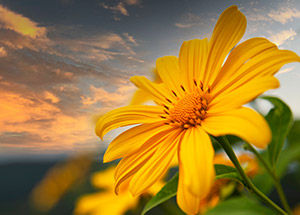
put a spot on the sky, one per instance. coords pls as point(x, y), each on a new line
point(63, 63)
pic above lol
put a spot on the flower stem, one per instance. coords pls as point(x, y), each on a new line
point(274, 177)
point(228, 149)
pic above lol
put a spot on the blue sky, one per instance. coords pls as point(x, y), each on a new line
point(64, 62)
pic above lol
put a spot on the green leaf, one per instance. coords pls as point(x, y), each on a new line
point(264, 182)
point(294, 135)
point(239, 206)
point(223, 171)
point(280, 120)
point(167, 192)
point(170, 189)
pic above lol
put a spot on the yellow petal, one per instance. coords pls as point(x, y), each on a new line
point(228, 31)
point(157, 165)
point(158, 91)
point(188, 202)
point(243, 94)
point(129, 165)
point(196, 156)
point(105, 203)
point(252, 59)
point(128, 115)
point(131, 140)
point(192, 61)
point(141, 96)
point(243, 122)
point(170, 74)
point(104, 178)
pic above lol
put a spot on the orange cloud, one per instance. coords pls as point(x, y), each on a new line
point(3, 52)
point(48, 127)
point(20, 24)
point(109, 100)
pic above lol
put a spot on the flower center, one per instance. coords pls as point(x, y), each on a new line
point(189, 110)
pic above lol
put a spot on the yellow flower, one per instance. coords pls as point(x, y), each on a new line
point(58, 180)
point(107, 202)
point(200, 94)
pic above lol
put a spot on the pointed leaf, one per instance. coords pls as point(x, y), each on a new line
point(280, 120)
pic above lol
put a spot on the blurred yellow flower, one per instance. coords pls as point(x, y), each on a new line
point(107, 202)
point(200, 94)
point(58, 180)
point(296, 210)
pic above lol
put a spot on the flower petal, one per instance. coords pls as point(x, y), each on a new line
point(141, 96)
point(192, 61)
point(251, 59)
point(170, 74)
point(129, 115)
point(105, 203)
point(243, 122)
point(129, 165)
point(157, 165)
point(196, 161)
point(228, 31)
point(159, 92)
point(243, 94)
point(131, 140)
point(188, 202)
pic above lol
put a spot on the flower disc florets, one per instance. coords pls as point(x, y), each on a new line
point(188, 110)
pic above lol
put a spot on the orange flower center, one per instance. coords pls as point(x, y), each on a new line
point(189, 110)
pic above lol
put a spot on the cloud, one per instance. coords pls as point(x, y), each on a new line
point(189, 20)
point(51, 97)
point(120, 7)
point(133, 2)
point(34, 122)
point(53, 80)
point(19, 32)
point(286, 70)
point(20, 24)
point(281, 37)
point(130, 38)
point(3, 52)
point(109, 100)
point(284, 15)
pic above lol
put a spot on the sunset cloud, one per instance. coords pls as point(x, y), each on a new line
point(283, 36)
point(35, 121)
point(284, 15)
point(189, 20)
point(121, 96)
point(3, 52)
point(20, 24)
point(120, 7)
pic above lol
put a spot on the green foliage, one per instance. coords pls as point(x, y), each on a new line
point(294, 135)
point(223, 171)
point(280, 119)
point(170, 189)
point(239, 206)
point(167, 192)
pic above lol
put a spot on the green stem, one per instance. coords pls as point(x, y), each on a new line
point(274, 177)
point(228, 149)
